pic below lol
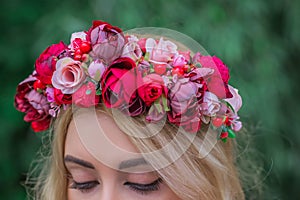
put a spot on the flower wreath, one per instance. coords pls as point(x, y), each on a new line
point(136, 75)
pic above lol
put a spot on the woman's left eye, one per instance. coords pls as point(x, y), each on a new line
point(84, 187)
point(144, 188)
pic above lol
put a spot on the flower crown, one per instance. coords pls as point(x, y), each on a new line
point(136, 75)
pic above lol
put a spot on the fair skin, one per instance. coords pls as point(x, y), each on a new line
point(118, 176)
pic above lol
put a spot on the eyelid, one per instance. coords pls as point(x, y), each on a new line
point(144, 189)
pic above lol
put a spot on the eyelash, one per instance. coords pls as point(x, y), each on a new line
point(84, 187)
point(144, 188)
point(139, 188)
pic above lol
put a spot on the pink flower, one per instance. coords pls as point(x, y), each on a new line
point(119, 87)
point(86, 96)
point(179, 61)
point(160, 52)
point(107, 41)
point(236, 100)
point(46, 62)
point(183, 98)
point(211, 104)
point(151, 88)
point(186, 55)
point(33, 104)
point(218, 82)
point(132, 49)
point(69, 75)
point(96, 69)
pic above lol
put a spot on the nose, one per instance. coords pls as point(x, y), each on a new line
point(109, 191)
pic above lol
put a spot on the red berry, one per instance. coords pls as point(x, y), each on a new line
point(77, 57)
point(160, 69)
point(178, 70)
point(38, 85)
point(78, 52)
point(84, 57)
point(224, 135)
point(85, 47)
point(217, 122)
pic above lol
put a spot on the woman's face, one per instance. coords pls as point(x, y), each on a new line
point(97, 171)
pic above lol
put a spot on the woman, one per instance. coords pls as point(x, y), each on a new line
point(135, 116)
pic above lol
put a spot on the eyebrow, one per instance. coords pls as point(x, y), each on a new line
point(72, 159)
point(132, 163)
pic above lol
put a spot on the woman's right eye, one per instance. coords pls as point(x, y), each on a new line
point(84, 187)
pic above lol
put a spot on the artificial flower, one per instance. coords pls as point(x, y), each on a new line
point(151, 88)
point(107, 41)
point(161, 51)
point(119, 83)
point(86, 96)
point(45, 65)
point(68, 76)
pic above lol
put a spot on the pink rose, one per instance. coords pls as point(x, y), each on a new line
point(69, 75)
point(151, 88)
point(161, 52)
point(33, 104)
point(184, 104)
point(45, 64)
point(119, 85)
point(86, 96)
point(107, 41)
point(218, 82)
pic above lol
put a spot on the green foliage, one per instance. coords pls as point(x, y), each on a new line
point(259, 41)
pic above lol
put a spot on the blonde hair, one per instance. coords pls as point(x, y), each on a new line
point(213, 177)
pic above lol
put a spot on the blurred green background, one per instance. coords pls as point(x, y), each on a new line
point(258, 39)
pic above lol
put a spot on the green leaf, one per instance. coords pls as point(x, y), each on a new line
point(146, 57)
point(158, 107)
point(165, 103)
point(231, 134)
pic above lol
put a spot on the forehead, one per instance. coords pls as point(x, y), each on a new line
point(95, 135)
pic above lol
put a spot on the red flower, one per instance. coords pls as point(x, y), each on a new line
point(45, 64)
point(42, 125)
point(119, 85)
point(86, 95)
point(218, 82)
point(107, 41)
point(33, 104)
point(152, 88)
point(61, 98)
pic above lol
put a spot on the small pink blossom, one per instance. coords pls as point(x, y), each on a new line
point(211, 104)
point(236, 100)
point(69, 75)
point(161, 52)
point(96, 69)
point(132, 49)
point(179, 61)
point(50, 94)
